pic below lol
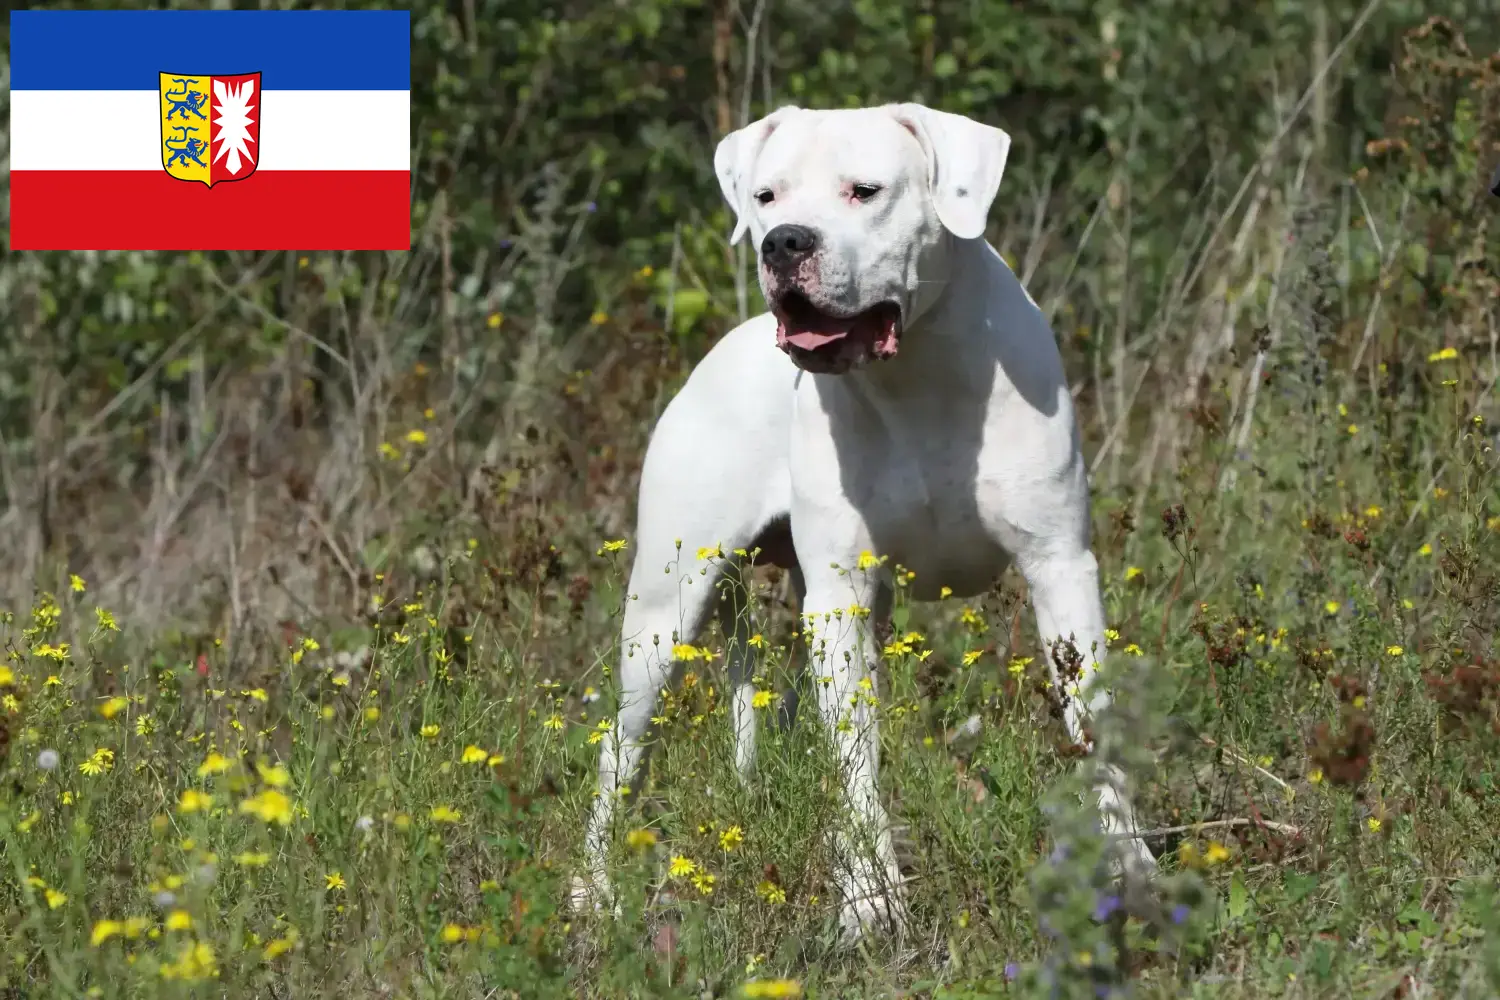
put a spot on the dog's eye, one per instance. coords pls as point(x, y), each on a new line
point(765, 196)
point(864, 192)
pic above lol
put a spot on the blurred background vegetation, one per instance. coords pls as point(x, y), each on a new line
point(191, 427)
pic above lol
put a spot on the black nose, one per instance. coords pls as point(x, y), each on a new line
point(786, 246)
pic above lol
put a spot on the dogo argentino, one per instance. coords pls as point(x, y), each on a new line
point(904, 396)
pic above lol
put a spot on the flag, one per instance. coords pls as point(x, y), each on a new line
point(210, 130)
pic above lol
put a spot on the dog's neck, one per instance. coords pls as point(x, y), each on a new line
point(939, 350)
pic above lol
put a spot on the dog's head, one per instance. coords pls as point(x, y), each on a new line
point(851, 213)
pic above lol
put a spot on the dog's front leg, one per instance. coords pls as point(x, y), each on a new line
point(1070, 621)
point(842, 651)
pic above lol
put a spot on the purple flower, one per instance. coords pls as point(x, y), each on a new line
point(1180, 913)
point(591, 207)
point(1012, 970)
point(1106, 906)
point(505, 244)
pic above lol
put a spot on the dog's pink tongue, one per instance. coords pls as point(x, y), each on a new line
point(811, 340)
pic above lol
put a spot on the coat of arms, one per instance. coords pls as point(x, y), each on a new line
point(210, 126)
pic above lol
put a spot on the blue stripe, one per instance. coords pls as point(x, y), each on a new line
point(294, 50)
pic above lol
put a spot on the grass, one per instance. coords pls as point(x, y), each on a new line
point(384, 796)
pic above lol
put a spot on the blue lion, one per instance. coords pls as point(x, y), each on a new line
point(189, 102)
point(188, 149)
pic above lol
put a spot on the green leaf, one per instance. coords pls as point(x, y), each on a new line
point(1239, 899)
point(688, 306)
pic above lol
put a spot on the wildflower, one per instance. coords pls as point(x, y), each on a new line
point(603, 726)
point(474, 755)
point(164, 898)
point(640, 840)
point(48, 760)
point(1131, 572)
point(104, 930)
point(106, 620)
point(757, 640)
point(76, 582)
point(1394, 651)
point(416, 436)
point(144, 725)
point(51, 652)
point(100, 761)
point(257, 694)
point(372, 714)
point(30, 821)
point(214, 763)
point(430, 731)
point(194, 801)
point(113, 707)
point(452, 933)
point(1018, 665)
point(195, 961)
point(1133, 649)
point(252, 859)
point(553, 721)
point(270, 806)
point(868, 560)
point(179, 920)
point(731, 838)
point(681, 867)
point(772, 989)
point(1373, 824)
point(761, 699)
point(277, 947)
point(1216, 853)
point(1111, 635)
point(334, 880)
point(1425, 550)
point(7, 677)
point(710, 552)
point(55, 899)
point(341, 679)
point(771, 892)
point(1446, 354)
point(444, 814)
point(703, 882)
point(617, 545)
point(1332, 607)
point(364, 824)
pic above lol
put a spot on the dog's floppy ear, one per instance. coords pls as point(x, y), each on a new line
point(965, 160)
point(733, 160)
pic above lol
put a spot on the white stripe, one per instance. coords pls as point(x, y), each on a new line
point(121, 130)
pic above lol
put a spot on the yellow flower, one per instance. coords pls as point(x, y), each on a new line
point(452, 933)
point(1018, 665)
point(252, 859)
point(275, 776)
point(444, 814)
point(1216, 853)
point(430, 731)
point(214, 763)
point(8, 677)
point(761, 699)
point(772, 989)
point(55, 899)
point(1131, 572)
point(334, 880)
point(341, 679)
point(417, 436)
point(1425, 550)
point(104, 930)
point(771, 892)
point(972, 656)
point(372, 714)
point(474, 755)
point(553, 721)
point(1446, 354)
point(51, 652)
point(614, 546)
point(604, 726)
point(270, 806)
point(194, 801)
point(1332, 607)
point(640, 840)
point(757, 640)
point(1110, 635)
point(493, 320)
point(179, 920)
point(76, 582)
point(106, 620)
point(731, 838)
point(710, 552)
point(195, 961)
point(277, 947)
point(101, 760)
point(703, 882)
point(1394, 651)
point(1133, 649)
point(599, 318)
point(869, 560)
point(681, 867)
point(257, 694)
point(1373, 824)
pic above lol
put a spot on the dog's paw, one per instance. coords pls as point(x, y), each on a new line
point(876, 913)
point(587, 896)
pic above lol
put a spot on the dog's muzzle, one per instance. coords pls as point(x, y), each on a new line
point(824, 343)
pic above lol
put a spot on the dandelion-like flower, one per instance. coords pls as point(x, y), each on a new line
point(335, 880)
point(48, 760)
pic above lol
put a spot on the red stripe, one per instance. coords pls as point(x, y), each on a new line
point(269, 210)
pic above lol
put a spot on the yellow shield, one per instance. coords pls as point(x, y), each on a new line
point(185, 126)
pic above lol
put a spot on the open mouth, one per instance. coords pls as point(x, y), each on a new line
point(820, 342)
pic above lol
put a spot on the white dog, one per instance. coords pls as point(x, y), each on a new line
point(903, 397)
